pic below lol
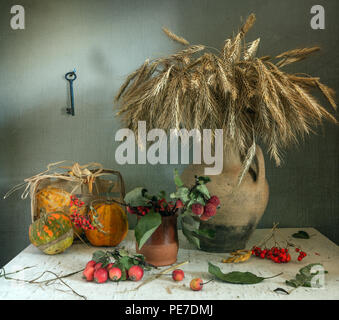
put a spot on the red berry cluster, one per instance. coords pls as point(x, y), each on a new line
point(78, 220)
point(277, 255)
point(302, 254)
point(161, 206)
point(141, 211)
point(82, 222)
point(76, 202)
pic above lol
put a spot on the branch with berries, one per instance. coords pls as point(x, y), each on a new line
point(191, 204)
point(80, 218)
point(197, 206)
point(279, 252)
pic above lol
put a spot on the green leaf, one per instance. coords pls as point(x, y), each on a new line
point(177, 180)
point(190, 236)
point(123, 252)
point(182, 194)
point(203, 180)
point(207, 233)
point(146, 227)
point(126, 262)
point(235, 277)
point(196, 196)
point(190, 223)
point(136, 197)
point(203, 190)
point(162, 194)
point(301, 235)
point(304, 277)
point(101, 256)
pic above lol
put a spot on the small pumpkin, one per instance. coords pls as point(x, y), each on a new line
point(51, 199)
point(113, 224)
point(52, 233)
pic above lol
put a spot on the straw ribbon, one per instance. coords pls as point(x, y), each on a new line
point(77, 173)
point(84, 174)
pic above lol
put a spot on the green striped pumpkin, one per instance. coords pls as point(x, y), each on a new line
point(52, 233)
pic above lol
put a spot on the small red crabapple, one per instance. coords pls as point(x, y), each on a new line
point(178, 275)
point(98, 266)
point(214, 200)
point(198, 209)
point(196, 284)
point(100, 275)
point(210, 210)
point(91, 263)
point(114, 274)
point(135, 273)
point(88, 273)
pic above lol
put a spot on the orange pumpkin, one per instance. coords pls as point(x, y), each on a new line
point(51, 199)
point(114, 224)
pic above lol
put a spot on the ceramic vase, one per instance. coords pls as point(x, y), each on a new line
point(241, 206)
point(161, 249)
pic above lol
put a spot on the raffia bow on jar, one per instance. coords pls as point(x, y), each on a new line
point(51, 189)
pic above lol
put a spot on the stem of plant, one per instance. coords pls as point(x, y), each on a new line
point(277, 275)
point(207, 282)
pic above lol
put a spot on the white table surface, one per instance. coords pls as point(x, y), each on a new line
point(319, 249)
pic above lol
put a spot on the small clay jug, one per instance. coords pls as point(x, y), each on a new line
point(241, 206)
point(161, 249)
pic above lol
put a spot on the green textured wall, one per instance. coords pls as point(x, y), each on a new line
point(105, 41)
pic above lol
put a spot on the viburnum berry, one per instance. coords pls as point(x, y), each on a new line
point(130, 210)
point(179, 204)
point(277, 255)
point(81, 222)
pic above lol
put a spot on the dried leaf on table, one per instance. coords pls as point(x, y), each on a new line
point(238, 256)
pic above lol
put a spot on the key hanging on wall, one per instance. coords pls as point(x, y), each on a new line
point(70, 77)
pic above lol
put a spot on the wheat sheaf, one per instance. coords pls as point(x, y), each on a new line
point(251, 98)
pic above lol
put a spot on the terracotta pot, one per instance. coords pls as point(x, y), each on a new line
point(161, 249)
point(241, 207)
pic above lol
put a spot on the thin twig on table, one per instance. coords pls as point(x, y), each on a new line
point(6, 274)
point(46, 282)
point(158, 275)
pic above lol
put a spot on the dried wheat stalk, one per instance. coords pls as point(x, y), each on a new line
point(250, 98)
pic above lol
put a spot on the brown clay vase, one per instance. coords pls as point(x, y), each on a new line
point(241, 206)
point(161, 249)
